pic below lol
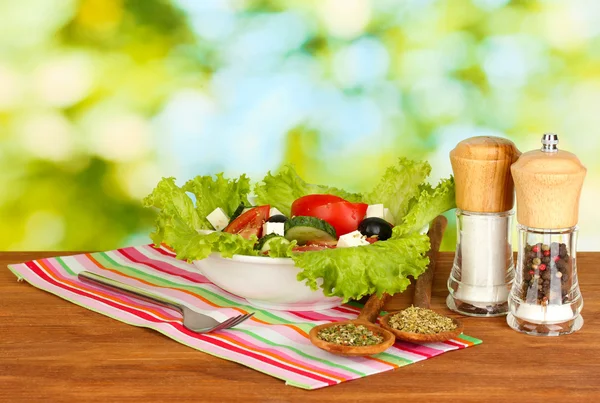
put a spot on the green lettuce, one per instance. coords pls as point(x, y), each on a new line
point(282, 189)
point(177, 215)
point(399, 186)
point(280, 247)
point(179, 219)
point(429, 204)
point(200, 246)
point(218, 192)
point(383, 267)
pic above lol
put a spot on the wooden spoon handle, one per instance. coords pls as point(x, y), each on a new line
point(422, 297)
point(371, 310)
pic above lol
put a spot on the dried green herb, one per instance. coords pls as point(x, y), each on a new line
point(421, 320)
point(349, 335)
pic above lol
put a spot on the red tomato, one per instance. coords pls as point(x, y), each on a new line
point(312, 247)
point(372, 240)
point(249, 223)
point(315, 245)
point(305, 204)
point(342, 215)
point(327, 244)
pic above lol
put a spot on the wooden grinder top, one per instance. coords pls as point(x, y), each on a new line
point(548, 184)
point(481, 167)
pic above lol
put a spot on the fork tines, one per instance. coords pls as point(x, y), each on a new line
point(231, 322)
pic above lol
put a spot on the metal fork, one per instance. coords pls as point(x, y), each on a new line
point(192, 320)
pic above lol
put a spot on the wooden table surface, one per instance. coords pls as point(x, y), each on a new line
point(52, 350)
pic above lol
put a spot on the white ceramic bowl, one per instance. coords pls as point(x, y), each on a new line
point(265, 282)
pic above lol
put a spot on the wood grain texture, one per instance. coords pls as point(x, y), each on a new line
point(548, 187)
point(423, 284)
point(373, 307)
point(481, 167)
point(55, 351)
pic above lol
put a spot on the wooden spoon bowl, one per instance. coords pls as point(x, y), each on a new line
point(367, 316)
point(353, 351)
point(421, 337)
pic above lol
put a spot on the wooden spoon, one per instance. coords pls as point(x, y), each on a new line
point(422, 297)
point(368, 315)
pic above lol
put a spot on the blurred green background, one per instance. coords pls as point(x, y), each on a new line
point(101, 98)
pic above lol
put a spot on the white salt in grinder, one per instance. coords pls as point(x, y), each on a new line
point(483, 270)
point(545, 298)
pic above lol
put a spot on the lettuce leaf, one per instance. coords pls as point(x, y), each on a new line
point(280, 247)
point(218, 192)
point(177, 216)
point(282, 189)
point(382, 267)
point(200, 246)
point(179, 219)
point(399, 185)
point(430, 203)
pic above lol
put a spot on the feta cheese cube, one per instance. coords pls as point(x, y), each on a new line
point(273, 228)
point(375, 210)
point(354, 238)
point(218, 219)
point(388, 216)
point(274, 211)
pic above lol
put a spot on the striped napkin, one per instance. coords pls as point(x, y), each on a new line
point(273, 342)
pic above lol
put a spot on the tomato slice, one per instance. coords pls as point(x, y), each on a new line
point(305, 204)
point(315, 245)
point(249, 223)
point(311, 247)
point(327, 244)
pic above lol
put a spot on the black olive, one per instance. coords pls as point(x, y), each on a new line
point(375, 226)
point(277, 218)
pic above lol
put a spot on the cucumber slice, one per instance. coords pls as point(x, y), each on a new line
point(238, 212)
point(263, 243)
point(304, 229)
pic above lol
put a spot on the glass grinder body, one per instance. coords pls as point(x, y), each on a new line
point(545, 298)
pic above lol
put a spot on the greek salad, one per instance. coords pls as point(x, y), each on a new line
point(349, 244)
point(318, 221)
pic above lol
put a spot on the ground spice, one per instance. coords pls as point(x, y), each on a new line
point(349, 335)
point(421, 320)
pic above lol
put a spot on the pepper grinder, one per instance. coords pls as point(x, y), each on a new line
point(545, 298)
point(483, 270)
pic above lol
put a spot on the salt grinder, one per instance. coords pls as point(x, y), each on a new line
point(545, 298)
point(483, 271)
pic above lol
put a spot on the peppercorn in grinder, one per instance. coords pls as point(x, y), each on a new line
point(483, 270)
point(545, 297)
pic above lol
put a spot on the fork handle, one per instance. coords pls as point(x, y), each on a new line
point(130, 290)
